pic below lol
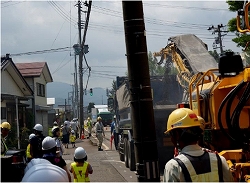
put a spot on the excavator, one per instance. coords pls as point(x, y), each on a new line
point(219, 93)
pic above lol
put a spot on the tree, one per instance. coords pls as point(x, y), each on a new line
point(215, 55)
point(154, 69)
point(90, 106)
point(112, 90)
point(241, 39)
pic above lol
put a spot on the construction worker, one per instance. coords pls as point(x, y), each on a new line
point(80, 164)
point(41, 170)
point(99, 130)
point(192, 163)
point(50, 153)
point(72, 138)
point(56, 134)
point(114, 132)
point(28, 155)
point(90, 126)
point(36, 142)
point(5, 129)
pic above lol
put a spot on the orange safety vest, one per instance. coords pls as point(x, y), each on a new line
point(80, 172)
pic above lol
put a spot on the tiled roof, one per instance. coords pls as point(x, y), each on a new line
point(30, 69)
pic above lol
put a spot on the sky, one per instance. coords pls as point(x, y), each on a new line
point(31, 26)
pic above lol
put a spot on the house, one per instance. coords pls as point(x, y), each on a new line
point(15, 92)
point(37, 75)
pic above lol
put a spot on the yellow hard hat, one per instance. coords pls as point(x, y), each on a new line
point(6, 125)
point(99, 118)
point(182, 118)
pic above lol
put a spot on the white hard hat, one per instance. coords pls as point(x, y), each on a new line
point(31, 136)
point(36, 161)
point(65, 122)
point(80, 153)
point(55, 123)
point(54, 128)
point(38, 127)
point(72, 131)
point(48, 143)
point(45, 173)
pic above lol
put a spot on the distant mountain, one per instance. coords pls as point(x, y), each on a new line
point(61, 91)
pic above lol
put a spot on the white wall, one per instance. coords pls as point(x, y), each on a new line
point(8, 85)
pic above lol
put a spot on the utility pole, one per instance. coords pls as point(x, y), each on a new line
point(65, 110)
point(76, 91)
point(142, 114)
point(218, 39)
point(81, 53)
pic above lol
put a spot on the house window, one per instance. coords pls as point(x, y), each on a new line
point(40, 89)
point(3, 113)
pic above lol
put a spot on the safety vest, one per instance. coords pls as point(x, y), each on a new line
point(89, 123)
point(80, 172)
point(28, 155)
point(4, 147)
point(204, 168)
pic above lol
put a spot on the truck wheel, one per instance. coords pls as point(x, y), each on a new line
point(131, 156)
point(121, 150)
point(126, 152)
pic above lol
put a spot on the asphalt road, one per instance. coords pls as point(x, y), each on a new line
point(106, 164)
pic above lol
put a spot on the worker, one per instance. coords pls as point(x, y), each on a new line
point(65, 134)
point(5, 129)
point(99, 130)
point(80, 164)
point(56, 134)
point(50, 154)
point(41, 170)
point(72, 138)
point(36, 142)
point(192, 163)
point(90, 126)
point(74, 126)
point(28, 155)
point(114, 131)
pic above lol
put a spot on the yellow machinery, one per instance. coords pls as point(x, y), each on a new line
point(221, 95)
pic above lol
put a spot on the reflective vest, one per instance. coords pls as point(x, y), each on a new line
point(28, 155)
point(4, 147)
point(204, 168)
point(80, 172)
point(89, 124)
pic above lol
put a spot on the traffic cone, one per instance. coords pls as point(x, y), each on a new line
point(82, 136)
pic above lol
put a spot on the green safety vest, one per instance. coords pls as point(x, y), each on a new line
point(89, 123)
point(80, 172)
point(4, 146)
point(28, 155)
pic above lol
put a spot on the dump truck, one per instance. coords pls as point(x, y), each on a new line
point(163, 101)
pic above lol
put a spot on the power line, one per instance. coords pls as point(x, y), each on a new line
point(43, 51)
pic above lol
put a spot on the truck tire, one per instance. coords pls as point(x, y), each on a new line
point(126, 152)
point(121, 150)
point(131, 156)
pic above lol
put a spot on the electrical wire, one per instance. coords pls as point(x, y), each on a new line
point(42, 51)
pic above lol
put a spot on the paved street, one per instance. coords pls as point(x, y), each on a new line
point(106, 164)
